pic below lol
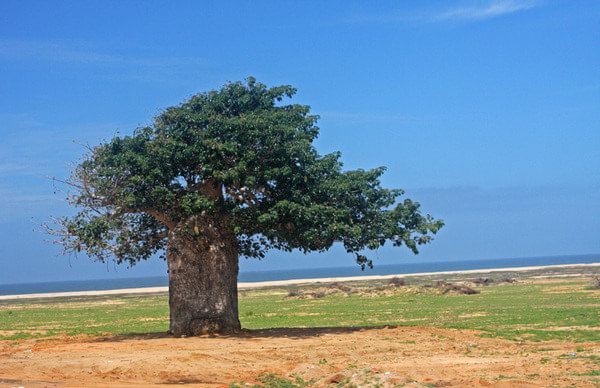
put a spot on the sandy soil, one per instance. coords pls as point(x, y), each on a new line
point(411, 355)
point(278, 283)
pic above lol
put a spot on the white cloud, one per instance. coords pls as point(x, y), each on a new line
point(466, 12)
point(487, 10)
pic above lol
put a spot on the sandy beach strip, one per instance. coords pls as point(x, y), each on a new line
point(291, 282)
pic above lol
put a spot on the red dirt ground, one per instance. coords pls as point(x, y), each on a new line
point(393, 356)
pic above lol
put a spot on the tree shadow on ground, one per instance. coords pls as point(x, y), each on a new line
point(279, 332)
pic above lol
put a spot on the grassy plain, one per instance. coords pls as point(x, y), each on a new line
point(543, 329)
point(533, 308)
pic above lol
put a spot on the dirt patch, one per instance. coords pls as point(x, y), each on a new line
point(154, 319)
point(403, 355)
point(473, 315)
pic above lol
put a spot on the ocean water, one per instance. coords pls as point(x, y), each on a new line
point(308, 273)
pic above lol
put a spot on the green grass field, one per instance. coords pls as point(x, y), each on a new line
point(565, 309)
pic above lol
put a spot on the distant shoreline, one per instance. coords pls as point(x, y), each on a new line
point(289, 282)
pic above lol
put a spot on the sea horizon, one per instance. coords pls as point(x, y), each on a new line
point(303, 273)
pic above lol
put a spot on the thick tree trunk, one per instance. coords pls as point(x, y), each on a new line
point(203, 270)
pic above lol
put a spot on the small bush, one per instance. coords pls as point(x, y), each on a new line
point(342, 287)
point(270, 380)
point(316, 294)
point(483, 281)
point(397, 282)
point(596, 282)
point(446, 287)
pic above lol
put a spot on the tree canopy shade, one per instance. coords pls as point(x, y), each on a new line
point(229, 173)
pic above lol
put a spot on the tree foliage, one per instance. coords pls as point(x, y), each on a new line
point(243, 156)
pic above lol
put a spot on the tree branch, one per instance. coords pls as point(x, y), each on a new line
point(161, 217)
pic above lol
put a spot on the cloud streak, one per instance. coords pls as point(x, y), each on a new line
point(471, 12)
point(14, 49)
point(485, 11)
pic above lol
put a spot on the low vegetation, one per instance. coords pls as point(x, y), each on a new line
point(530, 309)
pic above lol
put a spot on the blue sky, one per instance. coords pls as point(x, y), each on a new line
point(486, 112)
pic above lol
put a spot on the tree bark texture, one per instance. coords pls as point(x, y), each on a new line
point(203, 269)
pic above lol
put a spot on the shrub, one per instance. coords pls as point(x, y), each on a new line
point(397, 282)
point(446, 287)
point(483, 281)
point(342, 287)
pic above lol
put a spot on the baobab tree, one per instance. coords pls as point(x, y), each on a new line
point(228, 173)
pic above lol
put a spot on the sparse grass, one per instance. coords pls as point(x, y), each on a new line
point(98, 315)
point(595, 372)
point(536, 310)
point(270, 380)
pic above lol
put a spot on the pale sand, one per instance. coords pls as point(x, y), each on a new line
point(276, 283)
